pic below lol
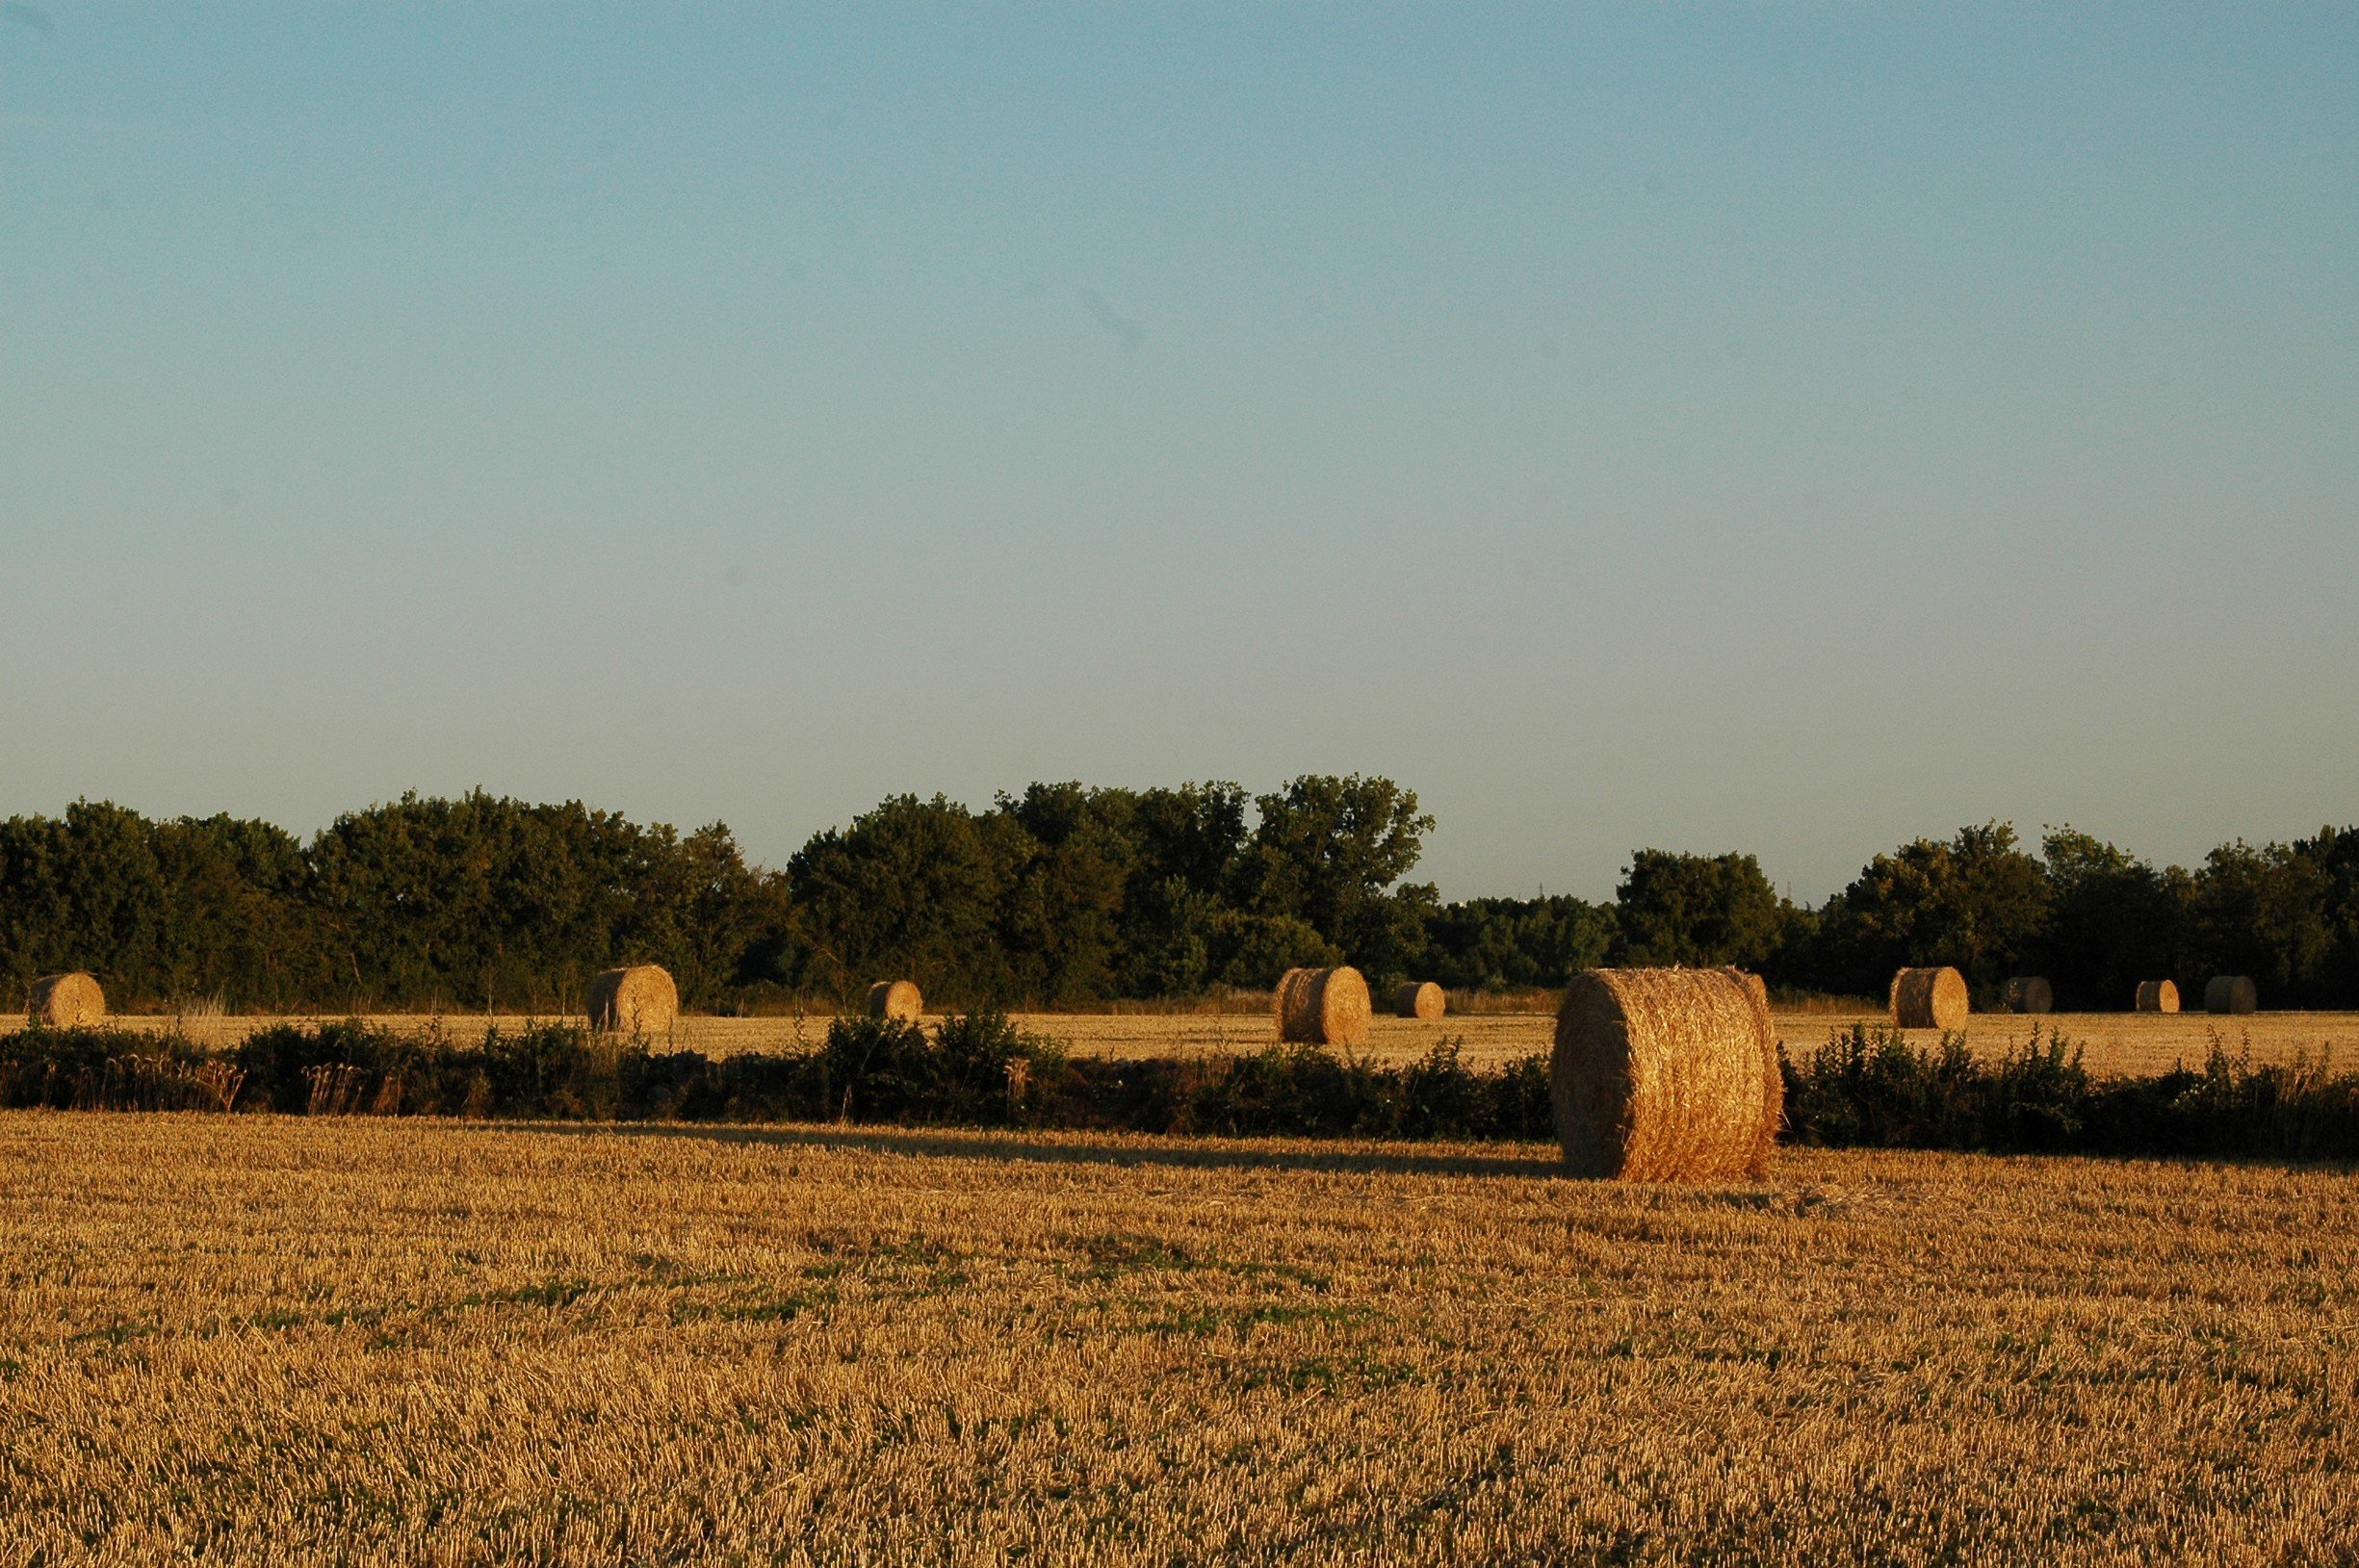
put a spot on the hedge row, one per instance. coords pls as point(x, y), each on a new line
point(971, 1070)
point(1865, 1087)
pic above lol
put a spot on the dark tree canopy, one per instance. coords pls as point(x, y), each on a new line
point(1697, 910)
point(1068, 894)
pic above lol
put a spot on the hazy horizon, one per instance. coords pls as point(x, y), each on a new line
point(1787, 430)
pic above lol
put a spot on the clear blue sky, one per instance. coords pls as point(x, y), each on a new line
point(1788, 427)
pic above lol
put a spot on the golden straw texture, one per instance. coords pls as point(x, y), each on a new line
point(1322, 1007)
point(638, 1000)
point(67, 1001)
point(2030, 993)
point(1664, 1075)
point(2230, 993)
point(1420, 999)
point(896, 999)
point(2157, 997)
point(1930, 1000)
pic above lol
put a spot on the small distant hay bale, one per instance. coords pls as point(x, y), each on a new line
point(1664, 1075)
point(1930, 1000)
point(2157, 997)
point(639, 999)
point(1420, 999)
point(897, 1000)
point(1755, 984)
point(1322, 1007)
point(2230, 993)
point(2030, 993)
point(67, 1001)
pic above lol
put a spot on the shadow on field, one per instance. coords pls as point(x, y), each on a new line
point(1018, 1148)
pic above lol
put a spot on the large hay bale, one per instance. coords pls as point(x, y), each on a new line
point(67, 1001)
point(2157, 997)
point(1930, 1000)
point(1322, 1007)
point(639, 999)
point(1420, 999)
point(1664, 1075)
point(2030, 993)
point(2230, 993)
point(896, 999)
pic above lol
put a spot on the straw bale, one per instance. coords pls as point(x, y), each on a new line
point(1755, 984)
point(1930, 1000)
point(1420, 999)
point(2157, 997)
point(2030, 993)
point(639, 1000)
point(67, 1001)
point(1322, 1007)
point(896, 999)
point(2230, 993)
point(1664, 1075)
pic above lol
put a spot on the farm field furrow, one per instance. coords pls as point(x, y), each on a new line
point(272, 1340)
point(2116, 1043)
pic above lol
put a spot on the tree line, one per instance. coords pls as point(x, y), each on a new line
point(1066, 894)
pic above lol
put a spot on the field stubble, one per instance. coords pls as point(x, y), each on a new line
point(285, 1339)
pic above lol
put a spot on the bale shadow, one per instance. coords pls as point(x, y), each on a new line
point(1015, 1148)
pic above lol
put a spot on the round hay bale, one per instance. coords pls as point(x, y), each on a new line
point(2230, 993)
point(1322, 1007)
point(1664, 1075)
point(2157, 997)
point(2030, 993)
point(67, 1001)
point(639, 1000)
point(1753, 982)
point(896, 999)
point(1420, 999)
point(1930, 1000)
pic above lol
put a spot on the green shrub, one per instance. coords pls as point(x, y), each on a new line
point(1865, 1087)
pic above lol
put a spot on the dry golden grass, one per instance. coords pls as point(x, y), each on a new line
point(2117, 1043)
point(268, 1339)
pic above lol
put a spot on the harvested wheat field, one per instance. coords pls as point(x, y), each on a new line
point(2117, 1042)
point(268, 1339)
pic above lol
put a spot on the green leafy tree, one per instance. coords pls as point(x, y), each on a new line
point(2335, 980)
point(1253, 950)
point(1977, 901)
point(2266, 913)
point(236, 926)
point(1070, 852)
point(1186, 847)
point(83, 892)
point(1328, 852)
point(2113, 920)
point(1698, 911)
point(911, 889)
point(1517, 944)
point(483, 900)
